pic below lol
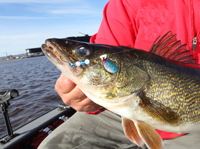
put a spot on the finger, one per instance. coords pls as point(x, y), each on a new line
point(89, 106)
point(85, 105)
point(64, 84)
point(75, 96)
point(79, 101)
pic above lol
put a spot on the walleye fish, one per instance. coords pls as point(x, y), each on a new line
point(159, 89)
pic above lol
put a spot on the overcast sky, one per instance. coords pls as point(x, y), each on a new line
point(27, 23)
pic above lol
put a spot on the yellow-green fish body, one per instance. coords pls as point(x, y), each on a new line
point(150, 90)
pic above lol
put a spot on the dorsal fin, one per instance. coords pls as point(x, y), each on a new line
point(169, 47)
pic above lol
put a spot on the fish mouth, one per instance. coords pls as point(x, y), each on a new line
point(58, 52)
point(54, 52)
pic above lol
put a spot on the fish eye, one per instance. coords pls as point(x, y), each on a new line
point(83, 50)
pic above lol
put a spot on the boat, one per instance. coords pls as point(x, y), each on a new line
point(31, 134)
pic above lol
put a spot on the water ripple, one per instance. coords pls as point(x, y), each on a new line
point(34, 78)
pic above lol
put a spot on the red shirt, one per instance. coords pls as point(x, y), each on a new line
point(137, 23)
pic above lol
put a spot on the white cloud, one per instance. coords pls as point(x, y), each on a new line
point(74, 11)
point(20, 17)
point(39, 1)
point(18, 36)
point(76, 7)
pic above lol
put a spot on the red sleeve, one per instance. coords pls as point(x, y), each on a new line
point(118, 26)
point(97, 112)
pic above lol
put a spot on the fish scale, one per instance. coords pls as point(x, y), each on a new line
point(179, 92)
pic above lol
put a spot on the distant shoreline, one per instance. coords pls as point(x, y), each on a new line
point(23, 57)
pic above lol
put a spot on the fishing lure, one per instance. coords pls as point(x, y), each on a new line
point(78, 63)
point(109, 65)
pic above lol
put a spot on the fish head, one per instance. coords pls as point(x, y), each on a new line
point(91, 73)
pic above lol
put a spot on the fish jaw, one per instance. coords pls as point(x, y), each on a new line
point(59, 57)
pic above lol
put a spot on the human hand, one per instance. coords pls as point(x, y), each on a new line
point(72, 95)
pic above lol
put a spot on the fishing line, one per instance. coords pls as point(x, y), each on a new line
point(91, 135)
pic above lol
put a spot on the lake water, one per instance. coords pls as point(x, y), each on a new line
point(34, 78)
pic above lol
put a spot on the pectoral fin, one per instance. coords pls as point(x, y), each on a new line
point(131, 132)
point(148, 134)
